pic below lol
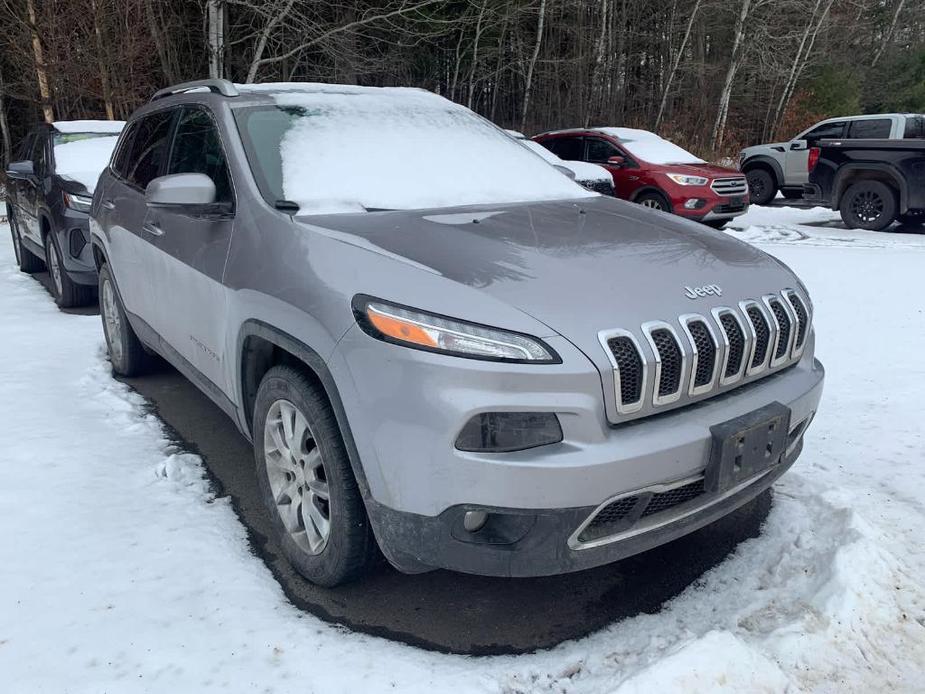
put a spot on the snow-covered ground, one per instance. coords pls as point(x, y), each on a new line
point(120, 573)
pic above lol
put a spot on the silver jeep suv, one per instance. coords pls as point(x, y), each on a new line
point(440, 346)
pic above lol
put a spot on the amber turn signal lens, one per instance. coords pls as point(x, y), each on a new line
point(399, 329)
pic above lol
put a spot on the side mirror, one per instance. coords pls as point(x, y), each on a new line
point(616, 161)
point(565, 170)
point(20, 169)
point(181, 189)
point(799, 144)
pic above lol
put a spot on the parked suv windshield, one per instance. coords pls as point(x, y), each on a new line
point(363, 149)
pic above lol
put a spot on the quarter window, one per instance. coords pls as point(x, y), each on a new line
point(197, 148)
point(149, 148)
point(874, 129)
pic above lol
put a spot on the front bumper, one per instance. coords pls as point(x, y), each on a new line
point(406, 407)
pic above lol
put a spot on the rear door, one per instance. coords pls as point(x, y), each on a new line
point(15, 187)
point(797, 157)
point(626, 179)
point(142, 157)
point(33, 189)
point(192, 245)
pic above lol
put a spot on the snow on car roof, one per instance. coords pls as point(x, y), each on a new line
point(346, 149)
point(650, 147)
point(89, 126)
point(84, 160)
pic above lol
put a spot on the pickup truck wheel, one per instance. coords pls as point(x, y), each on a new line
point(868, 205)
point(654, 201)
point(67, 292)
point(307, 482)
point(126, 353)
point(761, 186)
point(27, 261)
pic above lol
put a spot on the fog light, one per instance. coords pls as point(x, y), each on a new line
point(76, 242)
point(474, 521)
point(694, 203)
point(504, 432)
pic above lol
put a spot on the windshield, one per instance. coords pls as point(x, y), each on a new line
point(340, 149)
point(64, 138)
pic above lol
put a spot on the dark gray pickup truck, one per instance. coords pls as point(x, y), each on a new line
point(873, 183)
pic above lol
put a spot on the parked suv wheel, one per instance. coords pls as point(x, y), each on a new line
point(307, 482)
point(655, 201)
point(868, 205)
point(67, 292)
point(126, 353)
point(26, 260)
point(761, 186)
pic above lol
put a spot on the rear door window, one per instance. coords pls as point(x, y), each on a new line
point(873, 129)
point(568, 148)
point(148, 154)
point(197, 148)
point(915, 128)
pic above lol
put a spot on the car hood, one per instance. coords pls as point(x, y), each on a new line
point(577, 266)
point(709, 170)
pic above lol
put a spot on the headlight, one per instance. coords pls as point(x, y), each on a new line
point(411, 328)
point(81, 203)
point(688, 180)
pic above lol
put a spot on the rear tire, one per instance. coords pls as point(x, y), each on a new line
point(654, 201)
point(126, 353)
point(27, 261)
point(761, 186)
point(66, 291)
point(868, 205)
point(307, 482)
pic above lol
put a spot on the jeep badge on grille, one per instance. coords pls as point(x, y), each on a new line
point(705, 290)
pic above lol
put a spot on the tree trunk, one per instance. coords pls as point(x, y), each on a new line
point(719, 126)
point(5, 138)
point(889, 34)
point(674, 66)
point(158, 38)
point(41, 72)
point(101, 61)
point(528, 82)
point(475, 54)
point(262, 41)
point(597, 76)
point(215, 10)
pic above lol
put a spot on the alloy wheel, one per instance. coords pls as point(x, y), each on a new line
point(297, 477)
point(867, 206)
point(54, 266)
point(112, 321)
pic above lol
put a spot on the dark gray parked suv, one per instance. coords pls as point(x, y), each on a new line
point(49, 189)
point(440, 346)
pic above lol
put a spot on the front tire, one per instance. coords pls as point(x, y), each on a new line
point(654, 201)
point(868, 205)
point(126, 353)
point(306, 481)
point(27, 261)
point(67, 293)
point(761, 186)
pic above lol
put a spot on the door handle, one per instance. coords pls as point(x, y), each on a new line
point(152, 229)
point(109, 204)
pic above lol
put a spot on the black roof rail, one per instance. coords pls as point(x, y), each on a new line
point(216, 86)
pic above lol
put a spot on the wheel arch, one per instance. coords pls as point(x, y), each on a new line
point(99, 253)
point(650, 189)
point(762, 161)
point(884, 173)
point(261, 346)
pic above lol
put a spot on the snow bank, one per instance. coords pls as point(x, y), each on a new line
point(89, 126)
point(394, 148)
point(84, 160)
point(122, 572)
point(650, 147)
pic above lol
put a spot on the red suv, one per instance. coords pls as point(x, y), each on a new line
point(656, 173)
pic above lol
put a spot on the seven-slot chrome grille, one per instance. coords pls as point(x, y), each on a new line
point(729, 186)
point(700, 354)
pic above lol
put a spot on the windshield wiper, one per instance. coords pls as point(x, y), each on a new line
point(286, 206)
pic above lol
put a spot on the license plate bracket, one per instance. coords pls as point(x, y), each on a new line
point(747, 446)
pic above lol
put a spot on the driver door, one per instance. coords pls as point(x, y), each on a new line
point(626, 178)
point(797, 157)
